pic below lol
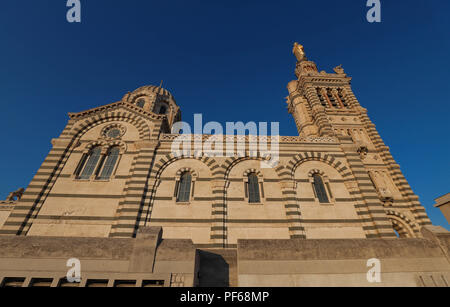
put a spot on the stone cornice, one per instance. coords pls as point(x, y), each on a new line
point(324, 79)
point(282, 139)
point(116, 105)
point(342, 112)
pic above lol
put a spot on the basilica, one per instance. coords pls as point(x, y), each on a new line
point(113, 194)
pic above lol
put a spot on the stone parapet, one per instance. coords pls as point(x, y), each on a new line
point(145, 261)
point(343, 262)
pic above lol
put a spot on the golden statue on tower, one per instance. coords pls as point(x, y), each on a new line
point(299, 52)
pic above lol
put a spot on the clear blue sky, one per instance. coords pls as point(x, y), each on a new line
point(231, 61)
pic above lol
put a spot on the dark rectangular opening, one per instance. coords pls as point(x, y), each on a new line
point(124, 283)
point(64, 283)
point(97, 283)
point(152, 283)
point(12, 282)
point(41, 282)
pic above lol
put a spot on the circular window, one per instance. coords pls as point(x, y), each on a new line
point(113, 131)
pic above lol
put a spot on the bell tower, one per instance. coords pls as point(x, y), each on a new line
point(313, 96)
point(324, 105)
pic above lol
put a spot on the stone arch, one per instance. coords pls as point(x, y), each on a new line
point(91, 145)
point(315, 156)
point(82, 127)
point(118, 143)
point(180, 172)
point(403, 225)
point(162, 164)
point(252, 170)
point(106, 145)
point(169, 107)
point(224, 170)
point(316, 171)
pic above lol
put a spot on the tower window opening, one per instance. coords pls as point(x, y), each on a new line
point(342, 98)
point(163, 110)
point(332, 99)
point(321, 98)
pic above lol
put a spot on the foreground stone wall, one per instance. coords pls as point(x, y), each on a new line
point(303, 263)
point(146, 260)
point(151, 261)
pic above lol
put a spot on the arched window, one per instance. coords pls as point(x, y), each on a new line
point(184, 188)
point(141, 103)
point(87, 168)
point(402, 228)
point(253, 189)
point(319, 189)
point(163, 110)
point(321, 98)
point(111, 160)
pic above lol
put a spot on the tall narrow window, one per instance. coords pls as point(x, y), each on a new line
point(322, 100)
point(253, 189)
point(111, 160)
point(331, 98)
point(319, 189)
point(81, 165)
point(342, 97)
point(91, 163)
point(184, 189)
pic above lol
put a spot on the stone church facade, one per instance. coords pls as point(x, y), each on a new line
point(111, 190)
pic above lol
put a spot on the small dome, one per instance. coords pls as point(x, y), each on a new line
point(155, 99)
point(153, 89)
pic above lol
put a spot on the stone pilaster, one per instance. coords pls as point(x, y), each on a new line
point(293, 212)
point(318, 113)
point(297, 106)
point(218, 214)
point(135, 207)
